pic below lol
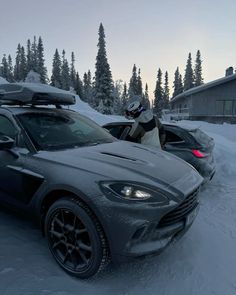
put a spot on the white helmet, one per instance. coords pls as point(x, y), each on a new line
point(134, 109)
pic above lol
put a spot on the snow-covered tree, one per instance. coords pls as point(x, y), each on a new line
point(145, 98)
point(5, 68)
point(134, 84)
point(29, 61)
point(124, 99)
point(41, 69)
point(33, 77)
point(23, 66)
point(198, 79)
point(139, 84)
point(34, 55)
point(117, 94)
point(73, 74)
point(189, 76)
point(158, 95)
point(17, 75)
point(166, 92)
point(56, 70)
point(88, 91)
point(178, 84)
point(10, 69)
point(78, 85)
point(103, 77)
point(65, 73)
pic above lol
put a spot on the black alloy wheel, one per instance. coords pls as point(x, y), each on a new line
point(75, 238)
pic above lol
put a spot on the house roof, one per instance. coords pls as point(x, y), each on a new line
point(204, 87)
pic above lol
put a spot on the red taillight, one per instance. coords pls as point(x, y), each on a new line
point(199, 154)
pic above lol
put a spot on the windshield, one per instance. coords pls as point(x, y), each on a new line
point(60, 130)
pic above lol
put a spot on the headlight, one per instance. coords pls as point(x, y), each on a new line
point(132, 191)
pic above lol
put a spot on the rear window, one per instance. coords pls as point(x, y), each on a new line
point(200, 136)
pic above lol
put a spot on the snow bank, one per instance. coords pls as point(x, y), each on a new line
point(3, 81)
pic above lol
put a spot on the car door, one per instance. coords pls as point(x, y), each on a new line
point(176, 142)
point(15, 179)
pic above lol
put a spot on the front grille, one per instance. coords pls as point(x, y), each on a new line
point(179, 213)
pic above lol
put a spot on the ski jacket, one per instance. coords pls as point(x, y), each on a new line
point(146, 130)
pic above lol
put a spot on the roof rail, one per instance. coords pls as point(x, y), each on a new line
point(34, 94)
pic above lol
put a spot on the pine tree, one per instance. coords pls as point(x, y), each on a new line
point(134, 85)
point(17, 75)
point(166, 92)
point(178, 84)
point(145, 98)
point(118, 91)
point(5, 68)
point(56, 70)
point(189, 77)
point(158, 95)
point(124, 99)
point(78, 85)
point(42, 71)
point(73, 74)
point(34, 56)
point(88, 89)
point(29, 57)
point(10, 69)
point(23, 65)
point(198, 70)
point(103, 77)
point(65, 73)
point(139, 84)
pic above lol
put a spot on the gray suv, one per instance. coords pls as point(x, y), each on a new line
point(95, 197)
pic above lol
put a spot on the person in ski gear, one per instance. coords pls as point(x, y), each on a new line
point(147, 128)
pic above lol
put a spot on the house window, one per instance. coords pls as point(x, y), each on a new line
point(228, 107)
point(225, 107)
point(234, 108)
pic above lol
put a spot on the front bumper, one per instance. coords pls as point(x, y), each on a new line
point(143, 229)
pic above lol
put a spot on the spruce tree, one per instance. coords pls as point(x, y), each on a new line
point(73, 74)
point(139, 84)
point(198, 70)
point(189, 76)
point(34, 55)
point(10, 69)
point(29, 57)
point(133, 84)
point(158, 95)
point(166, 92)
point(5, 68)
point(65, 73)
point(124, 99)
point(42, 71)
point(178, 84)
point(145, 98)
point(56, 70)
point(88, 89)
point(103, 77)
point(78, 85)
point(17, 75)
point(23, 65)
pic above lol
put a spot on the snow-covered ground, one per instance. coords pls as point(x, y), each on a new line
point(202, 262)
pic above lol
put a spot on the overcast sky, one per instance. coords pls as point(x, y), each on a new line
point(149, 33)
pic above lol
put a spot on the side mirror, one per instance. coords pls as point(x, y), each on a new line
point(6, 142)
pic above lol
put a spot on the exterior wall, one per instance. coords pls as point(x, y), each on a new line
point(206, 103)
point(216, 104)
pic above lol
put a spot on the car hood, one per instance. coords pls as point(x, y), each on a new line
point(131, 162)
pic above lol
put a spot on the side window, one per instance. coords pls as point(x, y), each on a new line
point(171, 137)
point(7, 128)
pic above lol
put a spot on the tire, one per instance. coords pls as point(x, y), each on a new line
point(75, 238)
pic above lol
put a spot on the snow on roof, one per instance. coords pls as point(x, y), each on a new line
point(205, 86)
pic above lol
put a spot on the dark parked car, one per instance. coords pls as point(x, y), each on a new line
point(94, 196)
point(189, 143)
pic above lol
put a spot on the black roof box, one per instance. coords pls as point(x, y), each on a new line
point(34, 94)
